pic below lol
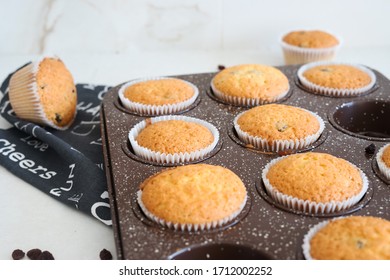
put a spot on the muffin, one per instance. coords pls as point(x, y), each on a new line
point(278, 127)
point(383, 161)
point(193, 197)
point(250, 85)
point(305, 46)
point(158, 96)
point(314, 182)
point(350, 238)
point(173, 139)
point(44, 92)
point(336, 79)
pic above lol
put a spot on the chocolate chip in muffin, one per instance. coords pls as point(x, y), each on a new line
point(18, 254)
point(221, 67)
point(58, 118)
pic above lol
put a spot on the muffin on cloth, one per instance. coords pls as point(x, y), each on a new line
point(44, 92)
point(336, 79)
point(350, 238)
point(383, 160)
point(314, 182)
point(304, 46)
point(250, 85)
point(192, 197)
point(278, 127)
point(173, 139)
point(158, 95)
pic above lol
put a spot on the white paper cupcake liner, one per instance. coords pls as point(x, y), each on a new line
point(188, 226)
point(308, 206)
point(383, 168)
point(24, 97)
point(335, 91)
point(297, 55)
point(159, 157)
point(243, 101)
point(279, 145)
point(310, 234)
point(155, 109)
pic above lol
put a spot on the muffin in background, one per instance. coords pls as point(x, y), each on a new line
point(44, 92)
point(383, 160)
point(250, 85)
point(193, 197)
point(158, 95)
point(278, 127)
point(303, 46)
point(314, 182)
point(350, 238)
point(336, 79)
point(173, 139)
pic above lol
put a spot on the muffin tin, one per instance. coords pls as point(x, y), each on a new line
point(264, 230)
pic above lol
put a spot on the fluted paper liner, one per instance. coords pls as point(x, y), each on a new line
point(24, 97)
point(279, 145)
point(307, 205)
point(383, 168)
point(337, 92)
point(159, 157)
point(189, 226)
point(156, 110)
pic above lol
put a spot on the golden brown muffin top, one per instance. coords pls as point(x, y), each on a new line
point(316, 177)
point(175, 136)
point(195, 194)
point(252, 81)
point(159, 92)
point(352, 238)
point(56, 91)
point(311, 39)
point(386, 156)
point(337, 76)
point(278, 122)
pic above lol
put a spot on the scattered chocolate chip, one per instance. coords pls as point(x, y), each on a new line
point(221, 67)
point(370, 150)
point(18, 254)
point(45, 255)
point(58, 118)
point(325, 70)
point(105, 255)
point(34, 254)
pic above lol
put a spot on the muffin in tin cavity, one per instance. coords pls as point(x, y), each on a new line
point(314, 182)
point(336, 79)
point(348, 238)
point(173, 139)
point(193, 197)
point(158, 95)
point(383, 161)
point(250, 85)
point(278, 127)
point(304, 46)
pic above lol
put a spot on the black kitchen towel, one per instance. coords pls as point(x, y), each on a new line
point(67, 165)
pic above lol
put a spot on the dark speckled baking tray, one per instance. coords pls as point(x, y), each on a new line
point(264, 229)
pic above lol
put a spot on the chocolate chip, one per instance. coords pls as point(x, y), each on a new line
point(221, 67)
point(58, 118)
point(370, 149)
point(105, 255)
point(34, 254)
point(45, 255)
point(18, 254)
point(325, 70)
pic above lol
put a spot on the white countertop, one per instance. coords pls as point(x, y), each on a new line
point(32, 219)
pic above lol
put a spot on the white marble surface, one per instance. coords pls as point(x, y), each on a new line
point(109, 42)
